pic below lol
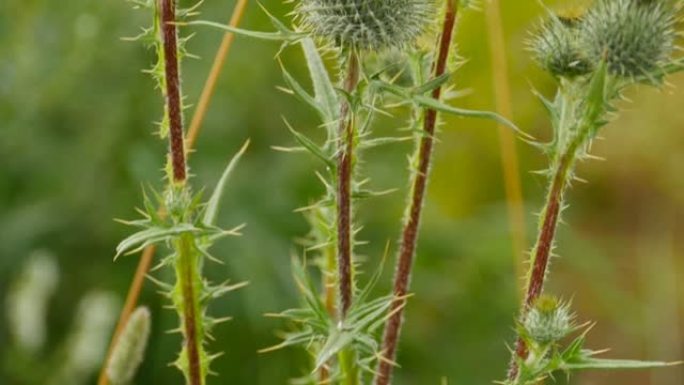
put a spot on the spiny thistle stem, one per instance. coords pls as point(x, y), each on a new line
point(329, 280)
point(612, 45)
point(195, 127)
point(350, 368)
point(173, 94)
point(411, 227)
point(547, 233)
point(188, 275)
point(329, 295)
point(345, 165)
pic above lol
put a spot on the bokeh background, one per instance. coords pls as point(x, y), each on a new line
point(76, 121)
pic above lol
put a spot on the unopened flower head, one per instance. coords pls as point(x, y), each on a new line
point(367, 24)
point(634, 37)
point(548, 320)
point(556, 46)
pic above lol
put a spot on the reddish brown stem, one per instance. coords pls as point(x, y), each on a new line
point(186, 269)
point(544, 245)
point(148, 254)
point(173, 94)
point(345, 165)
point(410, 233)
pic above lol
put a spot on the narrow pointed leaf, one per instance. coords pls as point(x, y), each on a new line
point(338, 340)
point(214, 202)
point(432, 84)
point(270, 36)
point(436, 105)
point(603, 363)
point(311, 146)
point(596, 99)
point(324, 90)
point(301, 93)
point(151, 235)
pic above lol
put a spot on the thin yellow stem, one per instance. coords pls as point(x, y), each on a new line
point(509, 154)
point(195, 126)
point(129, 306)
point(216, 68)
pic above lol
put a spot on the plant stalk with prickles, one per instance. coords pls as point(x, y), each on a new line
point(186, 224)
point(413, 214)
point(346, 136)
point(594, 56)
point(339, 323)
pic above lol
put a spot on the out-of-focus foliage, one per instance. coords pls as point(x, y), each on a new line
point(77, 119)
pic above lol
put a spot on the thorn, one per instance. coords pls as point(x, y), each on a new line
point(178, 330)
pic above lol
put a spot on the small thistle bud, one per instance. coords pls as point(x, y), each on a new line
point(367, 24)
point(635, 37)
point(548, 321)
point(556, 46)
point(130, 349)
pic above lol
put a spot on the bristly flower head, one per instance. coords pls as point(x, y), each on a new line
point(556, 46)
point(548, 321)
point(635, 37)
point(367, 24)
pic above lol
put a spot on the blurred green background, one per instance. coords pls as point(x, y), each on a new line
point(76, 118)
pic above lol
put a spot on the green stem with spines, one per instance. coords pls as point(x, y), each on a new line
point(345, 233)
point(349, 367)
point(345, 170)
point(187, 303)
point(192, 361)
point(561, 177)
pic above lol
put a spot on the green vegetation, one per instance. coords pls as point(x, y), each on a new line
point(357, 86)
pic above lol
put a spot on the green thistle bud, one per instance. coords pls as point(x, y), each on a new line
point(548, 321)
point(367, 24)
point(130, 349)
point(556, 47)
point(636, 37)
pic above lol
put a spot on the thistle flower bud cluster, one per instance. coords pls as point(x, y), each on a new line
point(548, 321)
point(634, 37)
point(367, 24)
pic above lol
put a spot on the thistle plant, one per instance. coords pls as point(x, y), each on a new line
point(339, 322)
point(185, 224)
point(595, 55)
point(420, 167)
point(357, 27)
point(431, 71)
